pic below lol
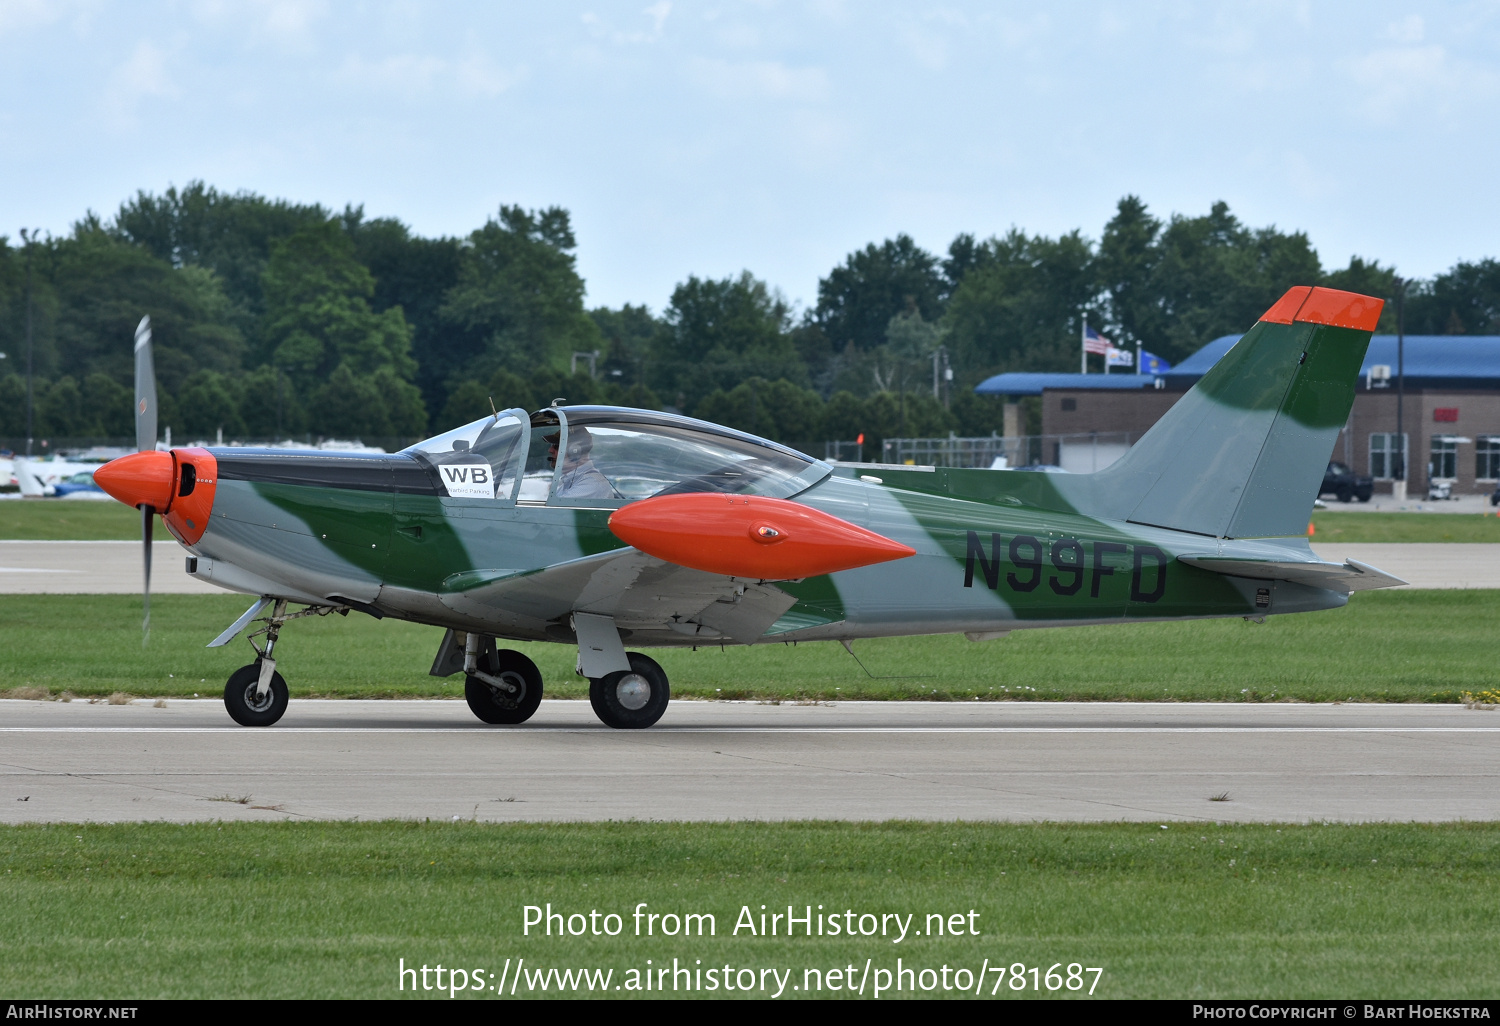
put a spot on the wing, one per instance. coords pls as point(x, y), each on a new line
point(1348, 576)
point(642, 593)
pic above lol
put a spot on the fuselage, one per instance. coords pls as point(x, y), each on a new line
point(995, 551)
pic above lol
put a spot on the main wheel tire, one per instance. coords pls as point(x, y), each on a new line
point(631, 699)
point(248, 708)
point(494, 705)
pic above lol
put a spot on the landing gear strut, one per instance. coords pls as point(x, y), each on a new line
point(256, 695)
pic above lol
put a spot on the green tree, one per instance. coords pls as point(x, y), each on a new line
point(1464, 300)
point(1018, 306)
point(414, 274)
point(778, 410)
point(354, 364)
point(60, 411)
point(269, 404)
point(859, 297)
point(206, 404)
point(721, 332)
point(518, 302)
point(630, 334)
point(229, 234)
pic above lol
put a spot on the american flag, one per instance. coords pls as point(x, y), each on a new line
point(1093, 342)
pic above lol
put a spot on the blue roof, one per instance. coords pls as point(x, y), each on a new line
point(1032, 384)
point(1432, 361)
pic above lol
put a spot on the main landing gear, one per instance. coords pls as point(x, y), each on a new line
point(501, 686)
point(504, 686)
point(631, 699)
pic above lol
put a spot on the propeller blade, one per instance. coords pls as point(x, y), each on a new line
point(148, 523)
point(145, 388)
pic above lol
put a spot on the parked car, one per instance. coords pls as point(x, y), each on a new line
point(1342, 482)
point(1495, 498)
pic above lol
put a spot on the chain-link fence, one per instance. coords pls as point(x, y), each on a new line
point(1077, 453)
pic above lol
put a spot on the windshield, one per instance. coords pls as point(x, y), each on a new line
point(608, 463)
point(481, 460)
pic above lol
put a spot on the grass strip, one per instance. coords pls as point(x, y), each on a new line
point(326, 910)
point(77, 520)
point(1404, 527)
point(70, 520)
point(1389, 646)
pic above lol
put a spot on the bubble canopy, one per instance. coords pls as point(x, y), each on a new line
point(600, 456)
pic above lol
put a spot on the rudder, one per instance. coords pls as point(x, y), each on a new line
point(1242, 454)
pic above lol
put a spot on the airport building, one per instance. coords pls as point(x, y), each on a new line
point(1450, 409)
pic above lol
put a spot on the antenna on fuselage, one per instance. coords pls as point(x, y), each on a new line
point(492, 408)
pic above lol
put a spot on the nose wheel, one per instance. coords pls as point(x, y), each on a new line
point(631, 699)
point(248, 704)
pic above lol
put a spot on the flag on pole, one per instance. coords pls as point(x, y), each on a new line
point(1153, 364)
point(1093, 342)
point(1119, 358)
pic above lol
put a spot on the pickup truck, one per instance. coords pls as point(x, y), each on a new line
point(1342, 482)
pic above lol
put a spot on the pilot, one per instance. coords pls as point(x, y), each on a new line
point(580, 479)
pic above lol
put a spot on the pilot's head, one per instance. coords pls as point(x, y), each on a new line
point(579, 444)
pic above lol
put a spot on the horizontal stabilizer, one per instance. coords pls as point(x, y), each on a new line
point(1348, 576)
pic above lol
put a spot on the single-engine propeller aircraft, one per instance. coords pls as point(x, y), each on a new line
point(604, 527)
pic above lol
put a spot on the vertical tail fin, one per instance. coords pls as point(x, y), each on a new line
point(1242, 454)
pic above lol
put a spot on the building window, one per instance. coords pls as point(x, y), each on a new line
point(1487, 458)
point(1444, 464)
point(1386, 457)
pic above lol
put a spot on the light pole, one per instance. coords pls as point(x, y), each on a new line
point(1398, 484)
point(28, 237)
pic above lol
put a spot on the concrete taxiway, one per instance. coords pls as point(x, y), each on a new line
point(337, 760)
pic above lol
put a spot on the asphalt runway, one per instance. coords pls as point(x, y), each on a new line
point(114, 567)
point(344, 760)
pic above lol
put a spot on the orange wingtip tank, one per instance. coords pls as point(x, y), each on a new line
point(750, 536)
point(179, 485)
point(1310, 305)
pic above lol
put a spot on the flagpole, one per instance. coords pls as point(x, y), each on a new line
point(1083, 344)
point(1139, 369)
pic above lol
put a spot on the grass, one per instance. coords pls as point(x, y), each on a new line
point(44, 520)
point(70, 520)
point(326, 910)
point(1406, 646)
point(1405, 527)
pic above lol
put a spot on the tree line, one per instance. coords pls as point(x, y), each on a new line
point(277, 319)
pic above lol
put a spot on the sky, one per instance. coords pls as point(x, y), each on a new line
point(712, 137)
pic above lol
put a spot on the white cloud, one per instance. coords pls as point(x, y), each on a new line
point(287, 25)
point(19, 15)
point(411, 74)
point(743, 80)
point(144, 74)
point(657, 13)
point(478, 75)
point(1396, 81)
point(1408, 30)
point(402, 72)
